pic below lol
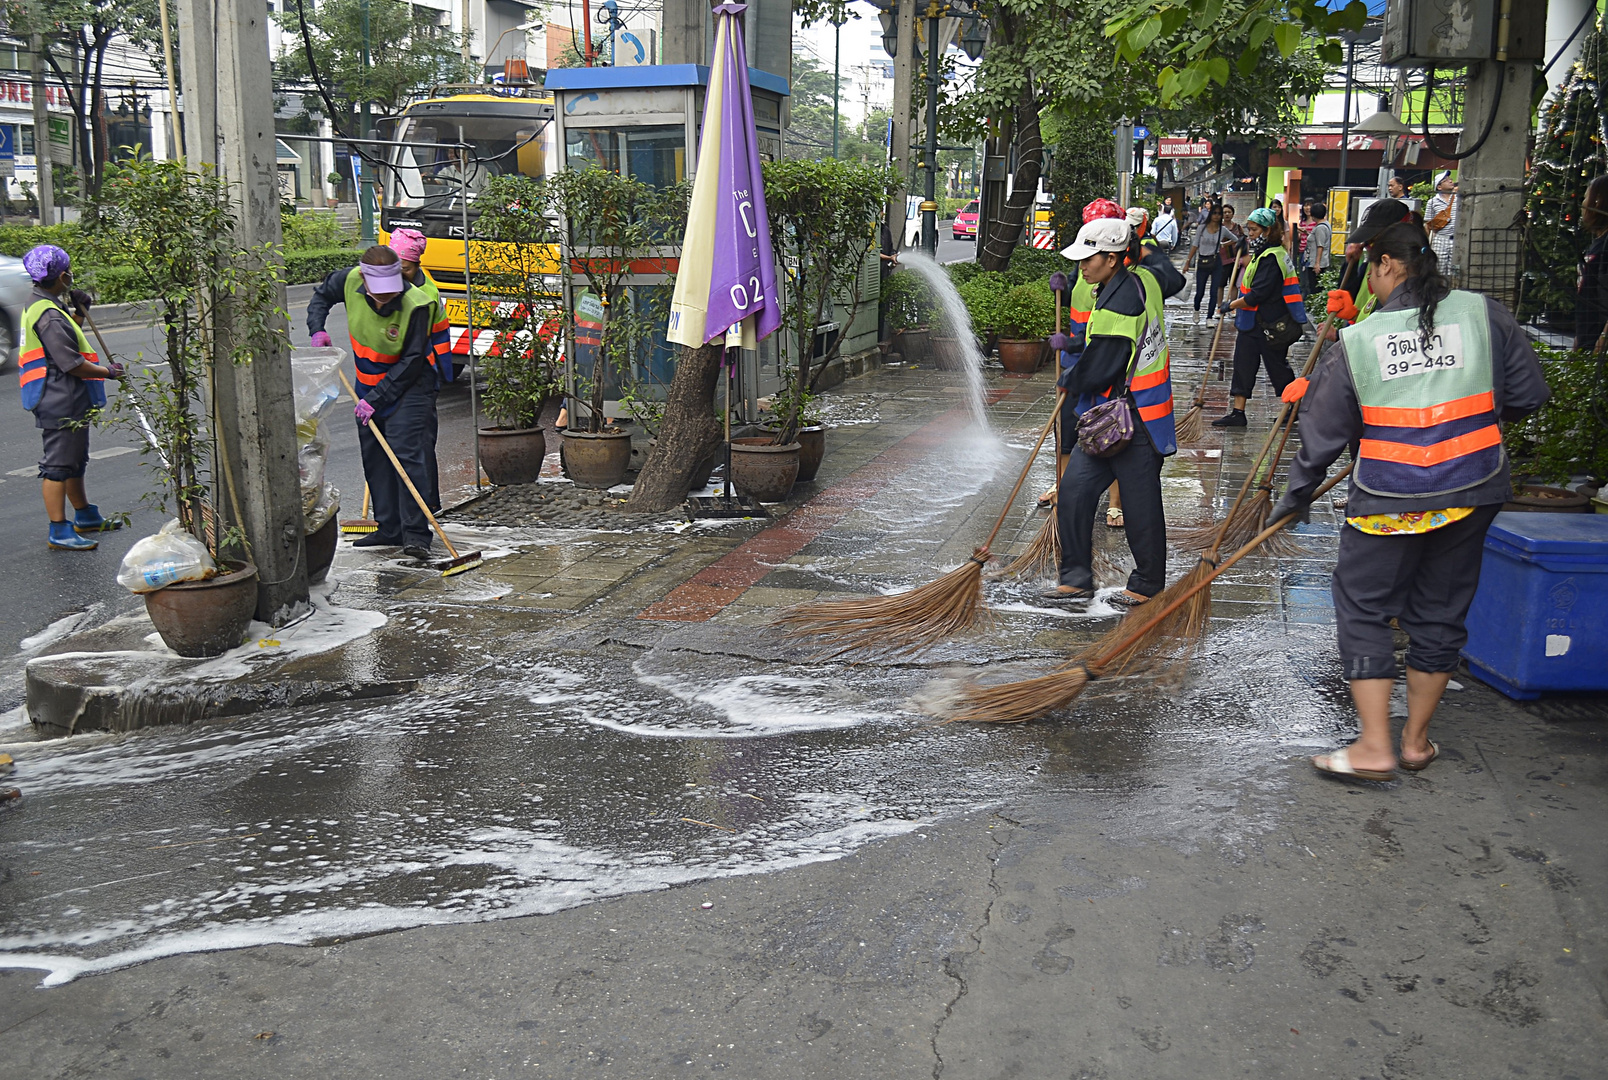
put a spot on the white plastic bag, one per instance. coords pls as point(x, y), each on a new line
point(170, 555)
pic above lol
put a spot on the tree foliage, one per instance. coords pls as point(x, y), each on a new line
point(824, 218)
point(809, 135)
point(407, 54)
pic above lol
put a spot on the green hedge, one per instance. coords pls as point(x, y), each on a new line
point(18, 240)
point(123, 285)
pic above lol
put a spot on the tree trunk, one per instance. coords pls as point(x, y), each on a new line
point(688, 432)
point(1005, 232)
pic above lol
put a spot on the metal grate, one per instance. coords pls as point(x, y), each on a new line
point(1495, 265)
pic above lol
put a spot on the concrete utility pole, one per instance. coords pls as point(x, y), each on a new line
point(229, 122)
point(44, 178)
point(1490, 182)
point(904, 70)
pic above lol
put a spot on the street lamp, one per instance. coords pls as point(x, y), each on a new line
point(1384, 124)
point(978, 35)
point(1369, 33)
point(533, 24)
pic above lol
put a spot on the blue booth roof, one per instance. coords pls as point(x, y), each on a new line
point(650, 76)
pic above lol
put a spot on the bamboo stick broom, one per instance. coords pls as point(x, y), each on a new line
point(1193, 425)
point(1028, 699)
point(920, 618)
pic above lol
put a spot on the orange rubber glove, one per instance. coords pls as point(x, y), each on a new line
point(1342, 304)
point(1295, 391)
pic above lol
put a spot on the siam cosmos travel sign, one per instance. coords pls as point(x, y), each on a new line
point(1171, 147)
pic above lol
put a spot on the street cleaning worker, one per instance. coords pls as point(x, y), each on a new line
point(1419, 388)
point(62, 380)
point(1269, 290)
point(409, 246)
point(1125, 357)
point(390, 323)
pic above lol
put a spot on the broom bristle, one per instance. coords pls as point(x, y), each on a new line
point(1246, 520)
point(1192, 426)
point(1040, 559)
point(903, 623)
point(1017, 702)
point(1180, 631)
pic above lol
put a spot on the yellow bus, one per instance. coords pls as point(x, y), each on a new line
point(511, 131)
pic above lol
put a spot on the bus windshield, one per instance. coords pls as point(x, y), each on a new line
point(432, 177)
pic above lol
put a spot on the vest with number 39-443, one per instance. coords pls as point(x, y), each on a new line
point(1428, 414)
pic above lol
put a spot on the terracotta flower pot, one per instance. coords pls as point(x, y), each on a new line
point(948, 354)
point(512, 455)
point(1021, 357)
point(597, 461)
point(811, 449)
point(321, 545)
point(763, 471)
point(205, 618)
point(913, 343)
point(1539, 499)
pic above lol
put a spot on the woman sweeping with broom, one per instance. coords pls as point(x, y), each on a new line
point(1119, 402)
point(1420, 388)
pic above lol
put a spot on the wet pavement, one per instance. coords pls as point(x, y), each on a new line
point(803, 873)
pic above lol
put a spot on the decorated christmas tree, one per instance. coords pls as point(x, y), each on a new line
point(1571, 148)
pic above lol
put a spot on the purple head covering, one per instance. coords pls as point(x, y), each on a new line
point(45, 262)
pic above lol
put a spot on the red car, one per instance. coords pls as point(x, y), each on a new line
point(966, 221)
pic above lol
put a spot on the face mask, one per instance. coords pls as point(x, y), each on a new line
point(1258, 245)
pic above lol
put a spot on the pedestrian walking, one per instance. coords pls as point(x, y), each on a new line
point(1205, 258)
point(1124, 362)
point(62, 381)
point(1269, 311)
point(1315, 254)
point(390, 323)
point(1167, 229)
point(1440, 218)
point(1419, 388)
point(1396, 187)
point(409, 245)
point(1591, 285)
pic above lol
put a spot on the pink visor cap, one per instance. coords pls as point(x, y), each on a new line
point(408, 244)
point(382, 279)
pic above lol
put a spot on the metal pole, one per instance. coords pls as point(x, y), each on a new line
point(837, 58)
point(469, 305)
point(929, 206)
point(173, 94)
point(44, 179)
point(1345, 121)
point(365, 188)
point(904, 73)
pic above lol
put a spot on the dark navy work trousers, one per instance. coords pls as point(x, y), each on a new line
point(410, 431)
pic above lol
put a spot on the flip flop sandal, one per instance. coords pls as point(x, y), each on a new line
point(1122, 599)
point(1066, 593)
point(1047, 501)
point(1339, 764)
point(1114, 518)
point(1421, 765)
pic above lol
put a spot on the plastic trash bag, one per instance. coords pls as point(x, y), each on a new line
point(316, 387)
point(170, 555)
point(326, 507)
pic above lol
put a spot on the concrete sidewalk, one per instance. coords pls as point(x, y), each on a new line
point(1155, 884)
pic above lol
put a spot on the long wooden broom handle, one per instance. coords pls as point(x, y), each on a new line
point(1217, 335)
point(1250, 546)
point(400, 471)
point(1020, 480)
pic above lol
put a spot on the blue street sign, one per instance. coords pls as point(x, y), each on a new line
point(8, 150)
point(1141, 133)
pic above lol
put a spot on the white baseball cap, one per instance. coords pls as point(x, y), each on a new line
point(1101, 234)
point(1137, 216)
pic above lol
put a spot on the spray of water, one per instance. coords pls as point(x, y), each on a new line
point(958, 322)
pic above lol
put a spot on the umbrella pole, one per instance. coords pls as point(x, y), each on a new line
point(726, 362)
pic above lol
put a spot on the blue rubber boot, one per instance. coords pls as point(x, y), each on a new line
point(89, 520)
point(63, 538)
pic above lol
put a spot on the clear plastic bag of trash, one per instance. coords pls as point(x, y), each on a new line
point(170, 555)
point(311, 458)
point(314, 382)
point(325, 507)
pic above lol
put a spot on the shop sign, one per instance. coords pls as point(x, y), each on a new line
point(1183, 148)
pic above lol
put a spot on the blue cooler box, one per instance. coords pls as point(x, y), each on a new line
point(1540, 618)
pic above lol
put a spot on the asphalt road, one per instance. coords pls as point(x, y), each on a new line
point(42, 586)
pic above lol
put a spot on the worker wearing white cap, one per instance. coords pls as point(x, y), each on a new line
point(1125, 359)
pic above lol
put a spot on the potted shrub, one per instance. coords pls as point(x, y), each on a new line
point(610, 223)
point(176, 229)
point(824, 217)
point(1562, 439)
point(908, 307)
point(522, 370)
point(982, 293)
point(1026, 318)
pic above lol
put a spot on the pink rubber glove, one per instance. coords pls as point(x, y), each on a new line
point(115, 369)
point(364, 413)
point(321, 340)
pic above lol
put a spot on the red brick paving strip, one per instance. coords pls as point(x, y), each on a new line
point(708, 592)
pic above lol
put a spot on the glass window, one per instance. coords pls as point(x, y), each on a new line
point(25, 143)
point(657, 156)
point(433, 177)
